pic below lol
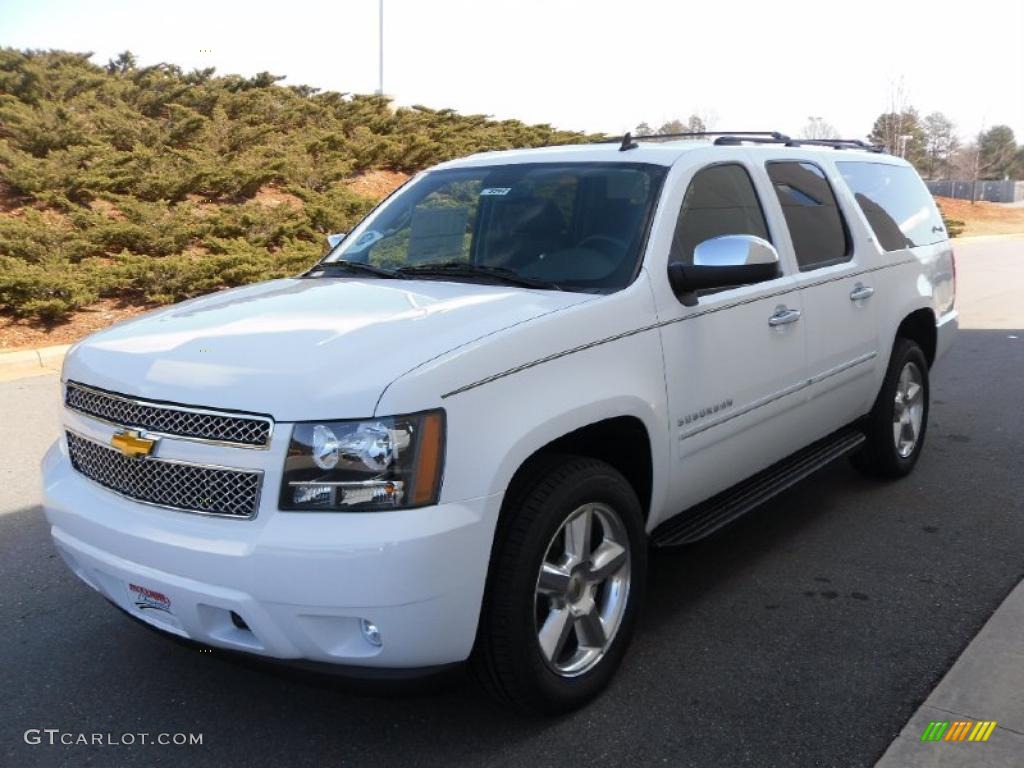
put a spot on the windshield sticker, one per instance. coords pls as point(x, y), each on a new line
point(365, 240)
point(495, 191)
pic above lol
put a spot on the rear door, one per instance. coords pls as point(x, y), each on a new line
point(837, 287)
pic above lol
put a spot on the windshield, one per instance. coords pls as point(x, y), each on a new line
point(578, 226)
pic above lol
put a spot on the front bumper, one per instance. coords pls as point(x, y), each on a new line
point(302, 582)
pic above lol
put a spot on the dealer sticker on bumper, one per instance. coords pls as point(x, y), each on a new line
point(146, 599)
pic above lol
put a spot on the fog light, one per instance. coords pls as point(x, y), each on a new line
point(370, 632)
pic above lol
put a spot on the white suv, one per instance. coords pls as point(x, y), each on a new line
point(455, 437)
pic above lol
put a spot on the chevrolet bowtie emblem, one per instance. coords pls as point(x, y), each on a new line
point(132, 443)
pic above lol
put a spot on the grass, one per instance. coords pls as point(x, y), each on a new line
point(983, 218)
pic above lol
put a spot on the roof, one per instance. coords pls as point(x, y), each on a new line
point(656, 153)
point(665, 152)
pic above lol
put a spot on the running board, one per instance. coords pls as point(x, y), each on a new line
point(707, 517)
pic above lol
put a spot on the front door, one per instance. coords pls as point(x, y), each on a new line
point(734, 363)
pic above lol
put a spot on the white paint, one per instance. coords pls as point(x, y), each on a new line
point(514, 369)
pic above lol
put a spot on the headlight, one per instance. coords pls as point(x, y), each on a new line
point(366, 465)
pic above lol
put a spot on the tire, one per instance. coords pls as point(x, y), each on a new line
point(520, 607)
point(882, 456)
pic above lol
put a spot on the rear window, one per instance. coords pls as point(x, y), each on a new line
point(895, 202)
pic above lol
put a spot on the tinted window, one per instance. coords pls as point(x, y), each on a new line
point(896, 204)
point(812, 215)
point(719, 201)
point(579, 225)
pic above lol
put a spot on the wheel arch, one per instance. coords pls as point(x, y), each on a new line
point(622, 441)
point(919, 326)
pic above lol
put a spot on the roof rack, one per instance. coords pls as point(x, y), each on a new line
point(628, 141)
point(732, 138)
point(838, 144)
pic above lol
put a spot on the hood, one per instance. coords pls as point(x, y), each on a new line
point(300, 348)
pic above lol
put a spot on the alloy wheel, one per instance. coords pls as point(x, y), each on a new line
point(582, 589)
point(908, 411)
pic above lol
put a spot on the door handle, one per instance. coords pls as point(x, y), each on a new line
point(783, 316)
point(861, 292)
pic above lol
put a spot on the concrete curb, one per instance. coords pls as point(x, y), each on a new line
point(32, 362)
point(986, 683)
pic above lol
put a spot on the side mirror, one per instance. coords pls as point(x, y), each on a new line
point(333, 240)
point(724, 262)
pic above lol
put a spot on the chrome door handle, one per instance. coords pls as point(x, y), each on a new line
point(861, 292)
point(783, 316)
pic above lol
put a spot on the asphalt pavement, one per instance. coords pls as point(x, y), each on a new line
point(806, 635)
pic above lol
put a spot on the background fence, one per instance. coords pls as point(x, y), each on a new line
point(992, 191)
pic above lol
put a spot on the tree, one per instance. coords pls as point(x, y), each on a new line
point(898, 129)
point(997, 152)
point(123, 63)
point(305, 90)
point(901, 134)
point(940, 144)
point(970, 163)
point(673, 126)
point(694, 124)
point(818, 128)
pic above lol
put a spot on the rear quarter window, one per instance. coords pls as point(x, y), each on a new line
point(895, 202)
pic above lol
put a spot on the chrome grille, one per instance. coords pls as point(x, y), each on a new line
point(189, 487)
point(178, 421)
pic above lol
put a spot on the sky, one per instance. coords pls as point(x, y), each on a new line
point(586, 64)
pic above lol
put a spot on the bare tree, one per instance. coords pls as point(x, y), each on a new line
point(698, 122)
point(706, 118)
point(818, 128)
point(898, 128)
point(970, 163)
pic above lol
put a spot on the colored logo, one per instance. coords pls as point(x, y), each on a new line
point(958, 730)
point(149, 599)
point(132, 443)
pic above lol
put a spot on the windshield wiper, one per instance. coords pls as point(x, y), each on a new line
point(466, 269)
point(357, 266)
